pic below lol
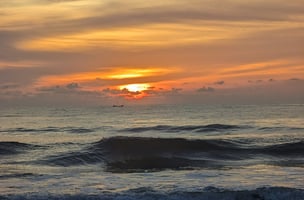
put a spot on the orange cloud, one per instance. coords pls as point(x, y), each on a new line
point(23, 63)
point(274, 68)
point(113, 77)
point(144, 36)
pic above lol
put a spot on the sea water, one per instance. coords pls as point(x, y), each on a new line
point(152, 152)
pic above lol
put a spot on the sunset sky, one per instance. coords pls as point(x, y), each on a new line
point(90, 52)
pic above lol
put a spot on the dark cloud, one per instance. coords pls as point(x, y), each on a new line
point(219, 83)
point(63, 90)
point(123, 91)
point(110, 91)
point(55, 88)
point(150, 92)
point(69, 88)
point(295, 79)
point(73, 86)
point(271, 80)
point(206, 89)
point(175, 90)
point(255, 81)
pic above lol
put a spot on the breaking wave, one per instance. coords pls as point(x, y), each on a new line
point(135, 154)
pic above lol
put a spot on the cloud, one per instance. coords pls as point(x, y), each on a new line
point(148, 93)
point(137, 14)
point(120, 91)
point(205, 89)
point(294, 79)
point(56, 88)
point(219, 83)
point(73, 86)
point(271, 80)
point(125, 93)
point(175, 90)
point(255, 81)
point(63, 94)
point(117, 92)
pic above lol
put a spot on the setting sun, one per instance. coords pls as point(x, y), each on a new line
point(135, 87)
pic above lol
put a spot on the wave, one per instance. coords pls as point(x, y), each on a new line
point(135, 154)
point(281, 128)
point(9, 148)
point(21, 175)
point(73, 158)
point(126, 154)
point(199, 129)
point(208, 193)
point(286, 149)
point(207, 128)
point(52, 129)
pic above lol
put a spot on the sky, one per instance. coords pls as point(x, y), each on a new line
point(90, 52)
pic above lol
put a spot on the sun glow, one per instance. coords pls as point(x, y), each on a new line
point(133, 73)
point(135, 87)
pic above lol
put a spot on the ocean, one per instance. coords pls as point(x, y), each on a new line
point(153, 152)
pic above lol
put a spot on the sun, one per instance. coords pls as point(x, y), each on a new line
point(135, 87)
